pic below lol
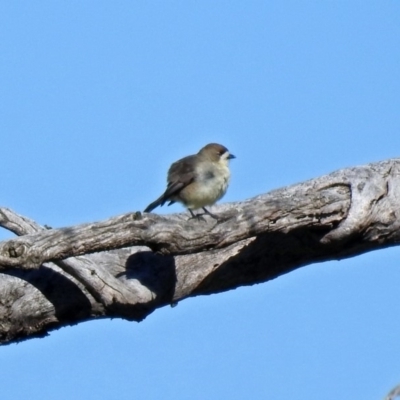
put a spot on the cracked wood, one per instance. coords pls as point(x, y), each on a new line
point(338, 215)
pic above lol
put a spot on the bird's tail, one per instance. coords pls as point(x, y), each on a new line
point(159, 202)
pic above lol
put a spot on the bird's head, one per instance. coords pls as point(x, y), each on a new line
point(216, 152)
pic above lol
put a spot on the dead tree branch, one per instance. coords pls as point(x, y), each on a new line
point(128, 266)
point(395, 392)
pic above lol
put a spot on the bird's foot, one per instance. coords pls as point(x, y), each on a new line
point(199, 217)
point(210, 214)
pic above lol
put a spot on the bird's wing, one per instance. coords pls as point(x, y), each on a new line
point(180, 175)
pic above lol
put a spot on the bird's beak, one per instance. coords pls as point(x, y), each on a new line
point(231, 156)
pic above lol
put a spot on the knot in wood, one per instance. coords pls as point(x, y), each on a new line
point(137, 216)
point(33, 261)
point(15, 250)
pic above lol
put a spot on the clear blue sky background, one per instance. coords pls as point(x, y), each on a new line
point(99, 97)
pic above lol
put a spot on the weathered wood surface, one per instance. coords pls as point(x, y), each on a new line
point(130, 265)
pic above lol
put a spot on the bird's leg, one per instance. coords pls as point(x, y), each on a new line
point(194, 216)
point(191, 213)
point(210, 214)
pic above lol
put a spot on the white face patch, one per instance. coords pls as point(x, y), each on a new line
point(225, 158)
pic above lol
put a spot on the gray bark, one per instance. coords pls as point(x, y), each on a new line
point(130, 265)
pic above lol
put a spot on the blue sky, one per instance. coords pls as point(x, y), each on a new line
point(98, 98)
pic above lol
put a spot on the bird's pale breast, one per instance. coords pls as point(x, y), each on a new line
point(210, 185)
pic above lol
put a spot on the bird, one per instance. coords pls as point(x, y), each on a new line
point(198, 180)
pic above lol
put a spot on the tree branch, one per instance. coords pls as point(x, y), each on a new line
point(395, 392)
point(310, 204)
point(145, 261)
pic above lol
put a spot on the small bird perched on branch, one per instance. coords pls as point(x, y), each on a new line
point(198, 180)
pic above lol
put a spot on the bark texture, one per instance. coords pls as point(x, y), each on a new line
point(130, 265)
